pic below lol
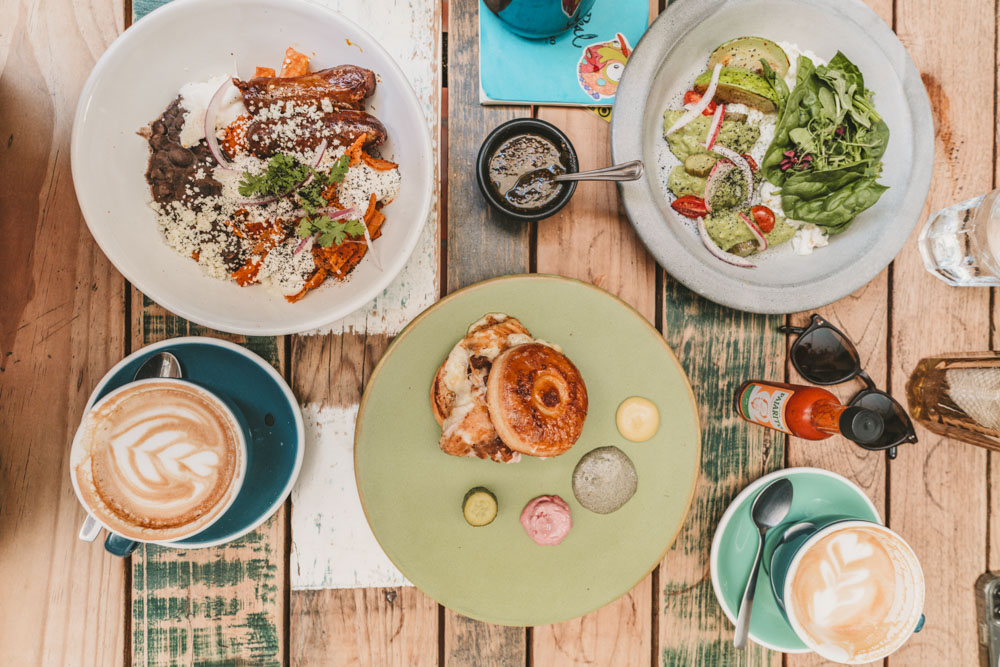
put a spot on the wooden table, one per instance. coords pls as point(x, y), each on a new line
point(68, 316)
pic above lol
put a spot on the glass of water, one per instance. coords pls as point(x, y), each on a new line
point(961, 244)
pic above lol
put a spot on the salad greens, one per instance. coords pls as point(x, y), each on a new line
point(828, 144)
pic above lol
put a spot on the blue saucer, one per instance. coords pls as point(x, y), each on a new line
point(272, 414)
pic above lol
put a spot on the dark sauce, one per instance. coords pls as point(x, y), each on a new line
point(523, 169)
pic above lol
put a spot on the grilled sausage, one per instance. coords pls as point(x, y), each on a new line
point(275, 135)
point(345, 86)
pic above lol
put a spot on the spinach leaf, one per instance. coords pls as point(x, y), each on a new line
point(829, 116)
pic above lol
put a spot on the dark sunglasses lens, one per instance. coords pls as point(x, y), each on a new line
point(897, 424)
point(824, 356)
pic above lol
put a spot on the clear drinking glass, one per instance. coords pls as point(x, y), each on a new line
point(961, 244)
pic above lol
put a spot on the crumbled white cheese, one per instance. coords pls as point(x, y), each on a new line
point(808, 237)
point(361, 181)
point(284, 271)
point(793, 52)
point(195, 97)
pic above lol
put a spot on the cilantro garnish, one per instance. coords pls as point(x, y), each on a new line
point(284, 176)
point(329, 232)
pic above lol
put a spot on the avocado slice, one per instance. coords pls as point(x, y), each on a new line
point(740, 86)
point(747, 52)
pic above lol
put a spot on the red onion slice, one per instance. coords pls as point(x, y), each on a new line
point(302, 244)
point(755, 230)
point(713, 128)
point(742, 165)
point(718, 252)
point(210, 113)
point(719, 171)
point(700, 105)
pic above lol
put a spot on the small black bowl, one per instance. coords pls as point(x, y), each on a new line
point(538, 128)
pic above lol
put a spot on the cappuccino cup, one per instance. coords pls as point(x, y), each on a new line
point(853, 590)
point(158, 460)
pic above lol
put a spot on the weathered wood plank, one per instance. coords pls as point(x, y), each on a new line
point(480, 244)
point(938, 489)
point(719, 348)
point(210, 605)
point(61, 327)
point(591, 241)
point(357, 633)
point(373, 626)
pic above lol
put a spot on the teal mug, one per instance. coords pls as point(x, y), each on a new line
point(831, 578)
point(539, 19)
point(119, 467)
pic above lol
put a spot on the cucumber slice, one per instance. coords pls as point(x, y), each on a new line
point(479, 507)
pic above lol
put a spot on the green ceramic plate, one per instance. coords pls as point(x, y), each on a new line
point(412, 492)
point(818, 495)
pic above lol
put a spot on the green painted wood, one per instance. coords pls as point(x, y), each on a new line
point(719, 348)
point(217, 606)
point(480, 244)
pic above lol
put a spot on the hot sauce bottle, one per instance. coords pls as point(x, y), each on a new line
point(806, 412)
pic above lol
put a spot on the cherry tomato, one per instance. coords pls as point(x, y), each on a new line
point(764, 217)
point(693, 97)
point(750, 160)
point(691, 207)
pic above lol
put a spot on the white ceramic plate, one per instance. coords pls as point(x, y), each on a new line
point(192, 40)
point(665, 62)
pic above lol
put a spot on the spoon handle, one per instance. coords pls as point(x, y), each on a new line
point(746, 604)
point(626, 171)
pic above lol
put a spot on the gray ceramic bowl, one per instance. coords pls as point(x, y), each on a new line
point(675, 50)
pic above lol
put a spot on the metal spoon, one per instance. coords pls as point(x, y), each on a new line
point(626, 171)
point(160, 365)
point(769, 508)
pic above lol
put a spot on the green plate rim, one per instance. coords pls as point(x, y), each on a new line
point(530, 277)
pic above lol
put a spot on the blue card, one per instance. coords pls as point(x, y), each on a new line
point(580, 67)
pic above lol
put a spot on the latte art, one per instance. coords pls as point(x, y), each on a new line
point(158, 460)
point(856, 593)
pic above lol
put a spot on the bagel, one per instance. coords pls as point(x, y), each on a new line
point(537, 400)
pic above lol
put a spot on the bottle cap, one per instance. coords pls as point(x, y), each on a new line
point(861, 425)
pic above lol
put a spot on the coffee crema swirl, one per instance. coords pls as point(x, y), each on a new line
point(158, 461)
point(857, 592)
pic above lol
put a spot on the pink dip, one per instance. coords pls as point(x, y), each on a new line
point(547, 520)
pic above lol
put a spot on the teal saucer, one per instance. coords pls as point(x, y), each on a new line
point(818, 495)
point(272, 414)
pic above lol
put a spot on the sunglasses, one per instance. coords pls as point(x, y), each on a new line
point(823, 355)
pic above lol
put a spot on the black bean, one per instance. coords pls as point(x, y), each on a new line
point(159, 127)
point(160, 142)
point(181, 156)
point(161, 191)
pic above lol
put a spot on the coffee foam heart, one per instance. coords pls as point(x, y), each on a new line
point(158, 460)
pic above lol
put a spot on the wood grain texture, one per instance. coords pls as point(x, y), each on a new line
point(591, 241)
point(215, 605)
point(397, 626)
point(61, 328)
point(480, 244)
point(719, 348)
point(938, 489)
point(370, 626)
point(374, 626)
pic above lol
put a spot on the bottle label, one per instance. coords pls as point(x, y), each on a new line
point(765, 405)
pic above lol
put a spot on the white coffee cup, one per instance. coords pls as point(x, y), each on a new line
point(165, 447)
point(854, 592)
